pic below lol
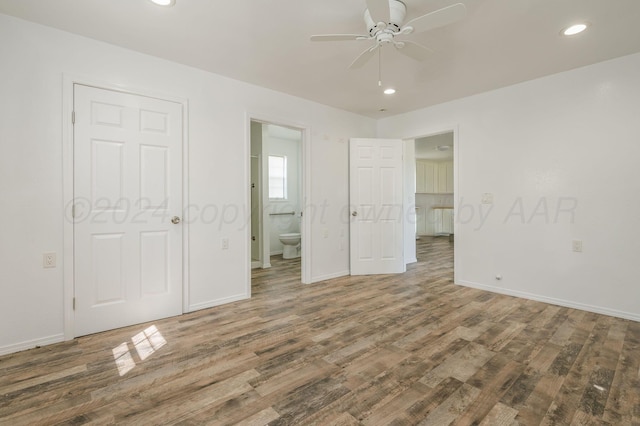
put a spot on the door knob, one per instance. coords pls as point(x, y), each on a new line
point(175, 220)
point(354, 214)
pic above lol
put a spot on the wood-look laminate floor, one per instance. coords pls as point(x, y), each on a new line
point(395, 349)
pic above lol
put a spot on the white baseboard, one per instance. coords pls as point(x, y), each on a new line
point(217, 302)
point(275, 253)
point(57, 338)
point(553, 301)
point(329, 276)
point(30, 344)
point(412, 260)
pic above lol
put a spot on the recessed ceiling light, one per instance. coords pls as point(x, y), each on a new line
point(574, 29)
point(164, 2)
point(443, 148)
point(389, 91)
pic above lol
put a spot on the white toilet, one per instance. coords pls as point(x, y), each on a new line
point(291, 243)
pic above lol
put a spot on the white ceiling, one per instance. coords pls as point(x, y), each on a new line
point(427, 147)
point(499, 43)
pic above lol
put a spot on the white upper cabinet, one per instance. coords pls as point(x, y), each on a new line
point(445, 181)
point(434, 177)
point(421, 179)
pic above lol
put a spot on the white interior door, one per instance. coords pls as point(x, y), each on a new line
point(376, 199)
point(127, 194)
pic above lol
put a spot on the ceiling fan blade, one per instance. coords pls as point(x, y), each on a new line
point(438, 18)
point(364, 57)
point(413, 50)
point(379, 10)
point(338, 37)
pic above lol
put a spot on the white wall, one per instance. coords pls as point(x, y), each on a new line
point(34, 59)
point(539, 147)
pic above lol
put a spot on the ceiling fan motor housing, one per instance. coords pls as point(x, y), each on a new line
point(398, 12)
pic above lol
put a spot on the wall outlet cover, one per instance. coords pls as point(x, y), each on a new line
point(48, 260)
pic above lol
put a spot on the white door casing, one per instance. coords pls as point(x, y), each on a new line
point(376, 201)
point(127, 188)
point(256, 209)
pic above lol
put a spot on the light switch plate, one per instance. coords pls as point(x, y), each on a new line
point(576, 245)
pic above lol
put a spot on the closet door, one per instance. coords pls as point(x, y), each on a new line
point(127, 207)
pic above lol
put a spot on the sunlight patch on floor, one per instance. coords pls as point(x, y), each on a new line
point(146, 343)
point(124, 360)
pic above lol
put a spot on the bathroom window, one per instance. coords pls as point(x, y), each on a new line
point(277, 177)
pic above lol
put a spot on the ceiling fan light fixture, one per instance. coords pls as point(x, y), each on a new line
point(389, 91)
point(384, 20)
point(163, 2)
point(574, 29)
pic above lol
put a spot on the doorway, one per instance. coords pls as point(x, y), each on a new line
point(277, 194)
point(434, 186)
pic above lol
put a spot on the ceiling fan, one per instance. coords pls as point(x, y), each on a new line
point(384, 20)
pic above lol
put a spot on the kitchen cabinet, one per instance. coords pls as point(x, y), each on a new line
point(443, 220)
point(434, 177)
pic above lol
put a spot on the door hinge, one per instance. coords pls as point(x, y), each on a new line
point(73, 117)
point(74, 303)
point(73, 211)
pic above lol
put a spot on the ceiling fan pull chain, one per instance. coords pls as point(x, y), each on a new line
point(380, 66)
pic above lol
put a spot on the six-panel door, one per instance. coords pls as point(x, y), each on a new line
point(127, 190)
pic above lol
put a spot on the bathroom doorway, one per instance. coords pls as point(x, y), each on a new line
point(276, 194)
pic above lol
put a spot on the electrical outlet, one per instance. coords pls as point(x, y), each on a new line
point(577, 246)
point(225, 244)
point(48, 260)
point(325, 232)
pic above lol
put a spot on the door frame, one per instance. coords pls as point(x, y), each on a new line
point(69, 80)
point(305, 222)
point(259, 207)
